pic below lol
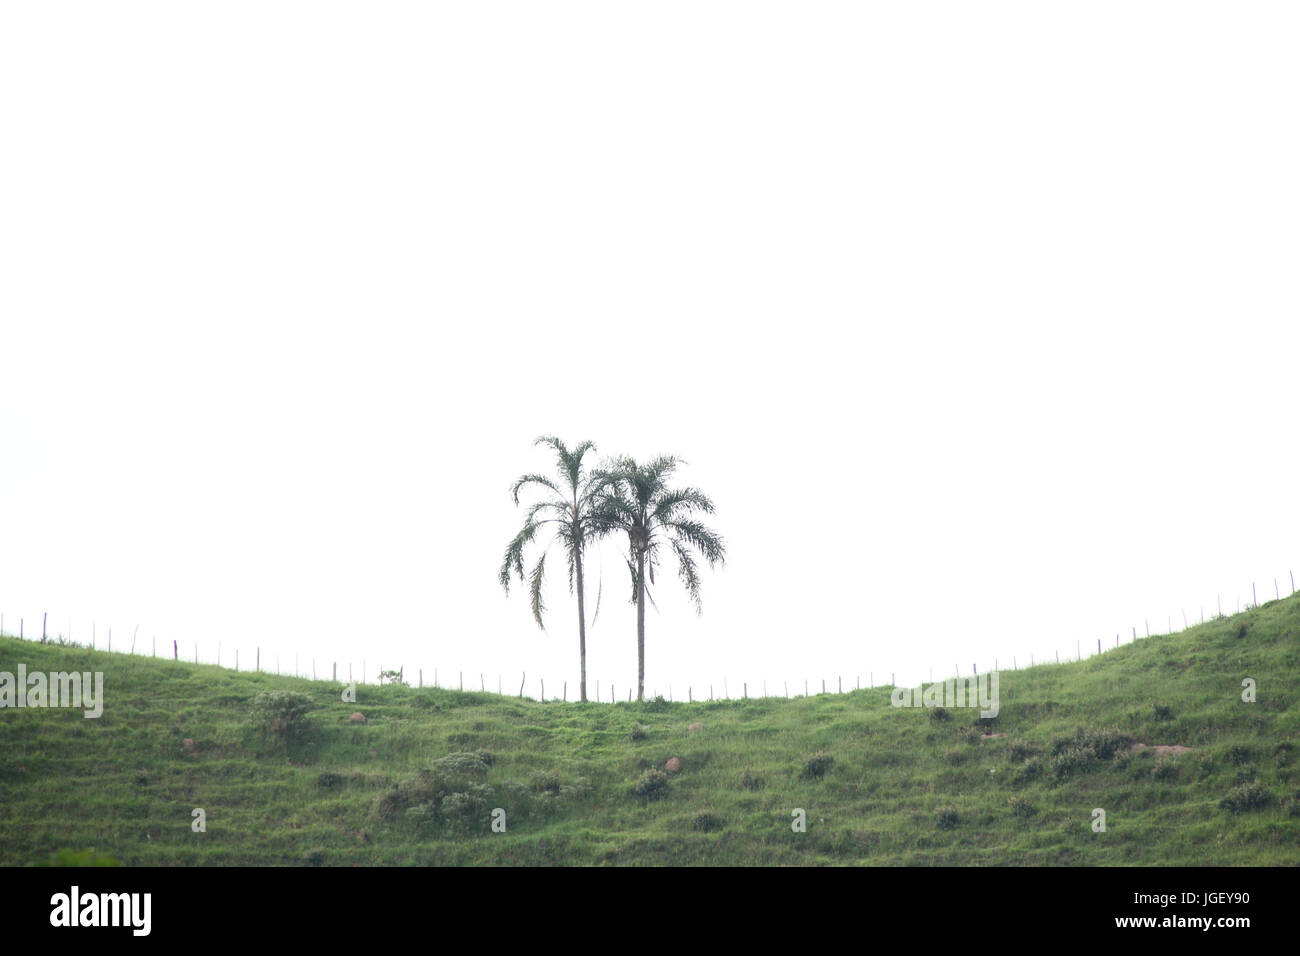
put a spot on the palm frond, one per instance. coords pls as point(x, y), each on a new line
point(533, 480)
point(700, 537)
point(535, 589)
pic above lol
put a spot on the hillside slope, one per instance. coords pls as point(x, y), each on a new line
point(901, 785)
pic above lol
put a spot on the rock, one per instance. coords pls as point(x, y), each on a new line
point(673, 765)
point(188, 744)
point(695, 727)
point(358, 718)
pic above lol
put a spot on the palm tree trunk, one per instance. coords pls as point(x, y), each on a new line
point(640, 625)
point(582, 635)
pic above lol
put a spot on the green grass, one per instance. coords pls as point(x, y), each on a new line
point(900, 788)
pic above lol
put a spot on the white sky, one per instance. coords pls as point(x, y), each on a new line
point(977, 321)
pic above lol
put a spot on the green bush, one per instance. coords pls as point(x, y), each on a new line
point(1238, 755)
point(750, 782)
point(815, 767)
point(1021, 807)
point(1073, 761)
point(1104, 744)
point(1031, 771)
point(328, 781)
point(938, 714)
point(638, 732)
point(946, 818)
point(655, 706)
point(652, 785)
point(282, 715)
point(1164, 770)
point(1019, 753)
point(1246, 796)
point(707, 822)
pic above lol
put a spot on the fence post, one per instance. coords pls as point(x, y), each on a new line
point(257, 662)
point(522, 678)
point(744, 691)
point(543, 690)
point(155, 645)
point(46, 616)
point(176, 654)
point(565, 696)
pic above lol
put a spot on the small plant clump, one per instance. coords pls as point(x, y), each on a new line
point(282, 715)
point(1244, 797)
point(815, 767)
point(652, 785)
point(707, 822)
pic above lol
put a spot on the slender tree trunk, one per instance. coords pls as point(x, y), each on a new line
point(640, 625)
point(582, 634)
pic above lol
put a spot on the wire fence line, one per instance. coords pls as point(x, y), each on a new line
point(346, 672)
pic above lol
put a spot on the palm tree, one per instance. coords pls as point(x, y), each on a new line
point(636, 499)
point(571, 509)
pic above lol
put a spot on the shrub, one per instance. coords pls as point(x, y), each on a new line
point(1021, 807)
point(1019, 753)
point(1073, 761)
point(946, 818)
point(1160, 712)
point(707, 822)
point(1246, 796)
point(282, 715)
point(657, 705)
point(940, 714)
point(1104, 744)
point(327, 781)
point(651, 785)
point(467, 811)
point(1283, 753)
point(638, 732)
point(1164, 770)
point(392, 677)
point(545, 781)
point(1238, 755)
point(751, 782)
point(1031, 771)
point(815, 767)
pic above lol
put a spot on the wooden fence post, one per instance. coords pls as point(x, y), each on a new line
point(176, 653)
point(521, 685)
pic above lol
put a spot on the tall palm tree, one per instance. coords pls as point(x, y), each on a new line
point(570, 507)
point(636, 500)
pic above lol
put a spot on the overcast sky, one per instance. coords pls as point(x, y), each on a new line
point(978, 321)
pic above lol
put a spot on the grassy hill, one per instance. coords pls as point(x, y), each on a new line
point(417, 782)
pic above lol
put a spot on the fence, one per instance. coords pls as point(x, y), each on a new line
point(836, 686)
